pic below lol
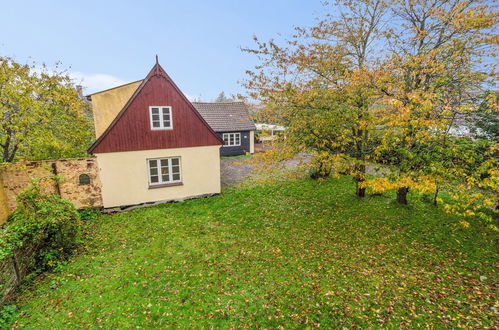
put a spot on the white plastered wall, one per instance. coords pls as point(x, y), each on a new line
point(125, 181)
point(252, 142)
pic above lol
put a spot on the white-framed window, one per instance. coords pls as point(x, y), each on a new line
point(232, 139)
point(164, 171)
point(160, 117)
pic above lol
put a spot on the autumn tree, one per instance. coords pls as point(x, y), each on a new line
point(484, 123)
point(42, 115)
point(317, 84)
point(222, 98)
point(436, 72)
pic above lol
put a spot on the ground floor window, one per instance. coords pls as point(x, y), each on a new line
point(232, 139)
point(164, 170)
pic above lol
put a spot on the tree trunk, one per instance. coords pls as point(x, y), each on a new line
point(8, 155)
point(361, 191)
point(402, 195)
point(435, 196)
point(359, 179)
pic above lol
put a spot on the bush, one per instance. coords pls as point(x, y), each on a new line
point(319, 170)
point(7, 315)
point(43, 220)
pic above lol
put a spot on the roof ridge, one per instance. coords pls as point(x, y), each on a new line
point(220, 102)
point(106, 90)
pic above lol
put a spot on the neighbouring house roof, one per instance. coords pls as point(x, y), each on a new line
point(225, 116)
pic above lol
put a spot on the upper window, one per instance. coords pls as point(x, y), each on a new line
point(164, 170)
point(232, 139)
point(161, 117)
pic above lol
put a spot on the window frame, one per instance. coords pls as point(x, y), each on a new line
point(232, 136)
point(161, 109)
point(160, 182)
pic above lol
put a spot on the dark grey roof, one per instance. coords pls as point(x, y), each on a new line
point(226, 116)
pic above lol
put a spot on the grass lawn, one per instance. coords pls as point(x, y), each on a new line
point(245, 156)
point(293, 254)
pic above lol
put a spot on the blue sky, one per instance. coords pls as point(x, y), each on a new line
point(107, 43)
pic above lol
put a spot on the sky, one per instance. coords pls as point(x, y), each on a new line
point(107, 43)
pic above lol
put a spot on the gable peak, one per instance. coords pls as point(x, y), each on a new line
point(157, 70)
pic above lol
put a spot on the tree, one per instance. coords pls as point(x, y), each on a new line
point(352, 90)
point(42, 115)
point(485, 122)
point(434, 74)
point(222, 98)
point(317, 84)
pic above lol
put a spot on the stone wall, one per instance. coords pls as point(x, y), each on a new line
point(16, 177)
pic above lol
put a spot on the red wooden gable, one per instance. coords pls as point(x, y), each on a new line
point(131, 130)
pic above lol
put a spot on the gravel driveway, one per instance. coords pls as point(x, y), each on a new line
point(234, 171)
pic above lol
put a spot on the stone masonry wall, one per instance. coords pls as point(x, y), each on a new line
point(16, 177)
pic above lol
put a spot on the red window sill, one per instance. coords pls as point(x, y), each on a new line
point(154, 186)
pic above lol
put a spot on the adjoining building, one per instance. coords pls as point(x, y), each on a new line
point(231, 122)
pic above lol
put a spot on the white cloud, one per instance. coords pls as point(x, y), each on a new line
point(95, 82)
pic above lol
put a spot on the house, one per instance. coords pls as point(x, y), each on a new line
point(230, 120)
point(152, 144)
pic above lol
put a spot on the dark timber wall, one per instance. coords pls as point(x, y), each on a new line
point(236, 150)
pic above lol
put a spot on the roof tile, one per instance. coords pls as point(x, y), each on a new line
point(226, 116)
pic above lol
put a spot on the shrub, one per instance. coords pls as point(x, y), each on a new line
point(320, 169)
point(7, 314)
point(43, 220)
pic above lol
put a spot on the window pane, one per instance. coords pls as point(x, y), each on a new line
point(165, 171)
point(154, 179)
point(176, 177)
point(155, 124)
point(166, 117)
point(155, 111)
point(152, 163)
point(175, 161)
point(175, 169)
point(154, 171)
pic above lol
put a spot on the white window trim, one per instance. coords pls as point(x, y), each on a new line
point(161, 127)
point(170, 171)
point(228, 135)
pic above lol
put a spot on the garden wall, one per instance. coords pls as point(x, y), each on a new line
point(80, 182)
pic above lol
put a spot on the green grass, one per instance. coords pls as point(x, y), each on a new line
point(293, 254)
point(245, 156)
